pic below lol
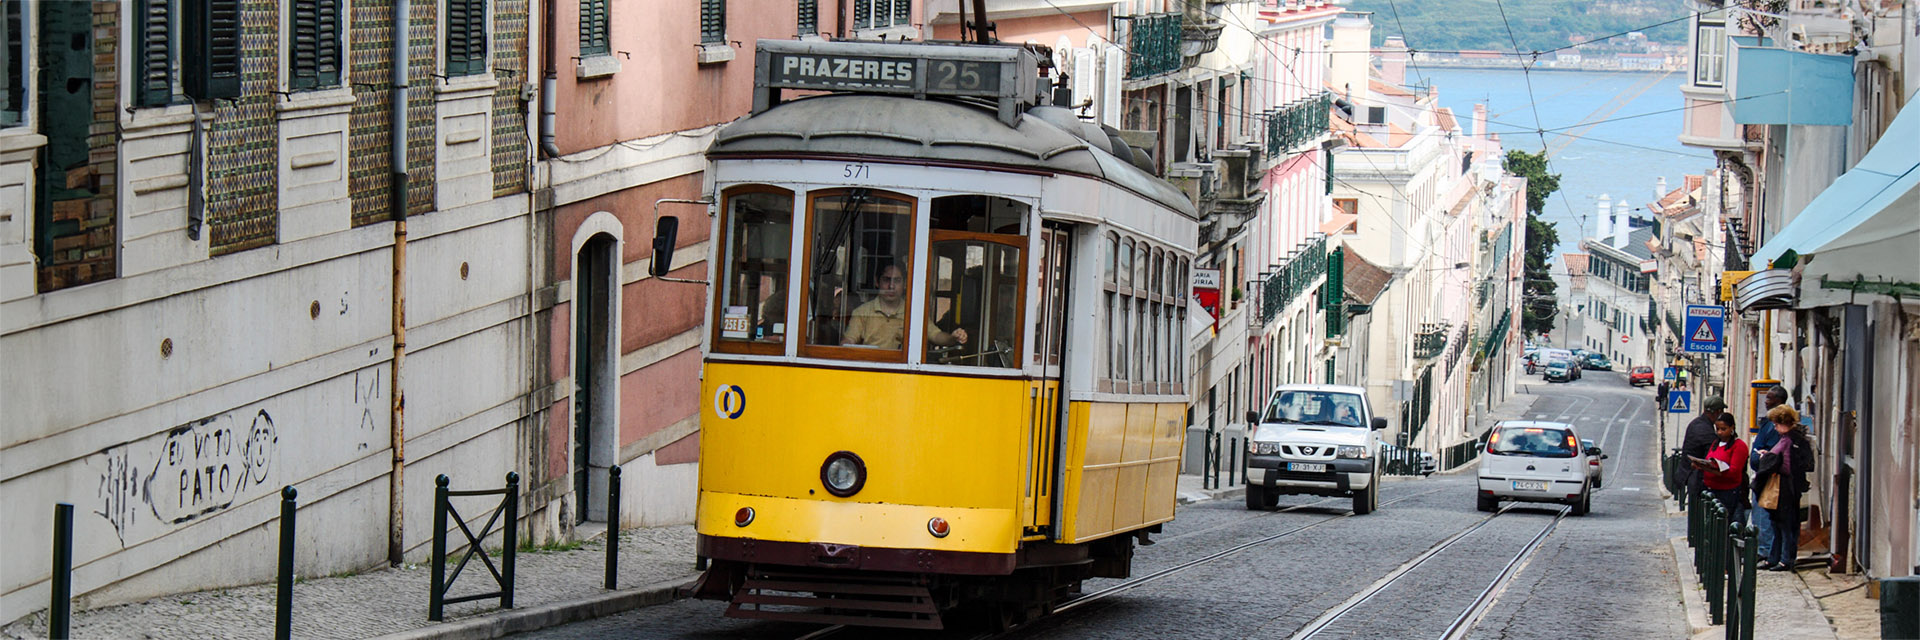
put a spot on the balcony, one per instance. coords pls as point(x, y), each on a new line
point(1293, 278)
point(1152, 43)
point(1297, 123)
point(1430, 341)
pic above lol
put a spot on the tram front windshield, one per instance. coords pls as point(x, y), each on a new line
point(1314, 407)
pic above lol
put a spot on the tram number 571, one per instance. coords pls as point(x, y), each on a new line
point(856, 170)
point(960, 75)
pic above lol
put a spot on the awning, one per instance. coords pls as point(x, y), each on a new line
point(1864, 226)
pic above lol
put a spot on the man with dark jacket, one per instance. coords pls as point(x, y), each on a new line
point(1697, 440)
point(1764, 437)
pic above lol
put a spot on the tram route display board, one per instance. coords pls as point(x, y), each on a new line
point(1007, 73)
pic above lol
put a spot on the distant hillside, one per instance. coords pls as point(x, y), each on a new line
point(1538, 25)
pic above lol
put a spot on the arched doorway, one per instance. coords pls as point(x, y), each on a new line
point(596, 419)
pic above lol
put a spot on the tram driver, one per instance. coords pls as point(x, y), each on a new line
point(881, 322)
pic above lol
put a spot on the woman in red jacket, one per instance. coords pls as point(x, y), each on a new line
point(1725, 470)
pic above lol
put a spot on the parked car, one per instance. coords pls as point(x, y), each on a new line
point(1427, 465)
point(1562, 370)
point(1640, 375)
point(1315, 440)
point(1597, 362)
point(1594, 456)
point(1529, 461)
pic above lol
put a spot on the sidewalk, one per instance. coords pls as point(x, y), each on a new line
point(551, 587)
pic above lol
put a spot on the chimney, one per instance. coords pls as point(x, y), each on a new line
point(1480, 121)
point(1659, 188)
point(1606, 219)
point(1393, 61)
point(1620, 226)
point(1350, 59)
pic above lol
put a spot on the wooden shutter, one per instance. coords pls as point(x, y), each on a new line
point(902, 13)
point(809, 18)
point(315, 59)
point(152, 50)
point(466, 37)
point(594, 40)
point(713, 21)
point(212, 35)
point(862, 13)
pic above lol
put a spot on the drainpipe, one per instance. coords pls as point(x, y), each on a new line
point(396, 479)
point(549, 83)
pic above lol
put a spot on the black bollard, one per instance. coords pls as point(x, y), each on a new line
point(511, 539)
point(1233, 459)
point(60, 612)
point(613, 526)
point(283, 606)
point(435, 605)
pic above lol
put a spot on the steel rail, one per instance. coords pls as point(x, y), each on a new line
point(1471, 616)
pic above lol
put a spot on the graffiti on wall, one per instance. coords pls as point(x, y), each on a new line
point(366, 396)
point(197, 468)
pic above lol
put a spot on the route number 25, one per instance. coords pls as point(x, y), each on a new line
point(950, 75)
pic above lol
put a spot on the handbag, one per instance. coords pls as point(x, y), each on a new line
point(1770, 494)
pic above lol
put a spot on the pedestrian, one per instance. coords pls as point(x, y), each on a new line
point(1725, 469)
point(1697, 441)
point(1683, 378)
point(1782, 476)
point(1764, 437)
point(1660, 396)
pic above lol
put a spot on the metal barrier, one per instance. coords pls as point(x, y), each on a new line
point(1744, 549)
point(1396, 460)
point(502, 575)
point(283, 589)
point(1715, 555)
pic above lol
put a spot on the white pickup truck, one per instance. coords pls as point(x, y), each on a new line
point(1314, 439)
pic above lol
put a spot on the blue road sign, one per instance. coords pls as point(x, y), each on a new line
point(1679, 402)
point(1706, 328)
point(1668, 373)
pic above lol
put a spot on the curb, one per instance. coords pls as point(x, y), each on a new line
point(1212, 494)
point(502, 623)
point(1693, 595)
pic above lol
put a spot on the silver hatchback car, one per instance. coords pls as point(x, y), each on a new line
point(1534, 462)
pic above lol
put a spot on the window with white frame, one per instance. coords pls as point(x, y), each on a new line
point(882, 14)
point(13, 64)
point(1710, 55)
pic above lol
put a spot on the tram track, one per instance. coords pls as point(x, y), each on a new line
point(1132, 583)
point(1462, 623)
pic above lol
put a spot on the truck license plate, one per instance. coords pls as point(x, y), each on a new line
point(1308, 467)
point(1529, 485)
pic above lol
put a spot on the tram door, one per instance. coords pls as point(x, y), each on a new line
point(1047, 395)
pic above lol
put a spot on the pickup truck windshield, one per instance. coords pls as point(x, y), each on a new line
point(1315, 407)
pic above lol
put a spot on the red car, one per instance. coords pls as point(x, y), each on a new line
point(1640, 376)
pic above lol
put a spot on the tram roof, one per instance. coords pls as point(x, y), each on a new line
point(934, 130)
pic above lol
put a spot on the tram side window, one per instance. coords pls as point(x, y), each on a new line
point(976, 281)
point(859, 267)
point(753, 294)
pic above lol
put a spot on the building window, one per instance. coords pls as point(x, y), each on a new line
point(808, 18)
point(315, 57)
point(466, 37)
point(713, 21)
point(13, 56)
point(594, 23)
point(152, 51)
point(1710, 55)
point(882, 14)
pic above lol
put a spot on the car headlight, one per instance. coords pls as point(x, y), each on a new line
point(1350, 451)
point(1263, 448)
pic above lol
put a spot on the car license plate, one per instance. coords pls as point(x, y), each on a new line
point(1310, 467)
point(1529, 485)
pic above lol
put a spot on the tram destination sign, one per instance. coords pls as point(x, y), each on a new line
point(1007, 73)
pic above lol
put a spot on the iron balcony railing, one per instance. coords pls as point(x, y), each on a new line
point(1153, 44)
point(1297, 122)
point(1430, 340)
point(1292, 278)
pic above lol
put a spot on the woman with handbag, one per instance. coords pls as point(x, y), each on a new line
point(1781, 473)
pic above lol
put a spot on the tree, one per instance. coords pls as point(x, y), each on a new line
point(1539, 302)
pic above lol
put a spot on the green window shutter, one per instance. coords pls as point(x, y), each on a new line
point(862, 14)
point(466, 37)
point(902, 12)
point(594, 22)
point(153, 53)
point(315, 56)
point(212, 53)
point(809, 19)
point(713, 21)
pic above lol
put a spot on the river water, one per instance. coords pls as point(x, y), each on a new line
point(1620, 156)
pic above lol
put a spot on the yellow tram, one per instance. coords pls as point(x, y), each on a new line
point(945, 368)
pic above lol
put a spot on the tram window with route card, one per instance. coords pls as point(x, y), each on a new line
point(753, 294)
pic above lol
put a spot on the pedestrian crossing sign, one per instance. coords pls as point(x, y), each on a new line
point(1679, 402)
point(1704, 334)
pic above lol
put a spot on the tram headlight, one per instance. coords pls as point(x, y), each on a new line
point(843, 474)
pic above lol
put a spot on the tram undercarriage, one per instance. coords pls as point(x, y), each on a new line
point(834, 588)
